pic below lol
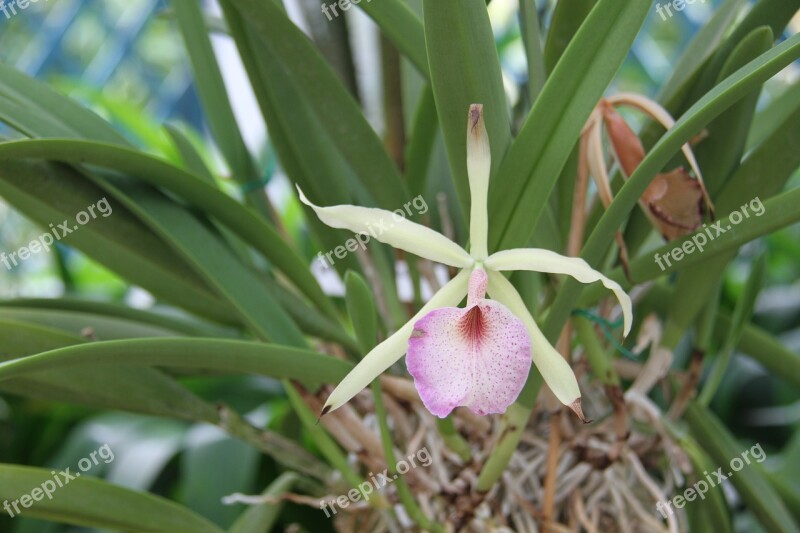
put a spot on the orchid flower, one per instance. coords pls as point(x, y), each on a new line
point(478, 356)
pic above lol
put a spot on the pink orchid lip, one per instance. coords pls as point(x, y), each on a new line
point(478, 357)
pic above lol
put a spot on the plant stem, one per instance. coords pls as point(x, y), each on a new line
point(453, 439)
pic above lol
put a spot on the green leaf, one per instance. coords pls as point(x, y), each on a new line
point(361, 308)
point(566, 20)
point(134, 268)
point(465, 70)
point(750, 481)
point(213, 94)
point(720, 153)
point(421, 142)
point(402, 26)
point(180, 325)
point(142, 129)
point(60, 112)
point(239, 357)
point(700, 48)
point(105, 321)
point(305, 150)
point(140, 390)
point(532, 38)
point(197, 245)
point(240, 220)
point(308, 318)
point(204, 448)
point(741, 316)
point(320, 89)
point(714, 502)
point(49, 193)
point(773, 13)
point(29, 120)
point(529, 172)
point(774, 116)
point(94, 503)
point(762, 347)
point(211, 259)
point(191, 158)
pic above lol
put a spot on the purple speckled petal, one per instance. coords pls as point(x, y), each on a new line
point(478, 357)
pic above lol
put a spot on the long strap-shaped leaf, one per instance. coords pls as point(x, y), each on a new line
point(699, 49)
point(773, 13)
point(133, 250)
point(402, 26)
point(336, 110)
point(212, 91)
point(779, 212)
point(141, 390)
point(59, 110)
point(118, 313)
point(305, 150)
point(49, 193)
point(204, 251)
point(750, 480)
point(239, 357)
point(465, 70)
point(721, 152)
point(529, 172)
point(566, 20)
point(239, 219)
point(97, 504)
point(96, 325)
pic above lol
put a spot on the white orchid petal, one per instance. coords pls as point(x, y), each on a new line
point(389, 351)
point(554, 368)
point(479, 167)
point(394, 230)
point(540, 260)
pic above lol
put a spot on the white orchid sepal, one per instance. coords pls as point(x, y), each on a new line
point(398, 232)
